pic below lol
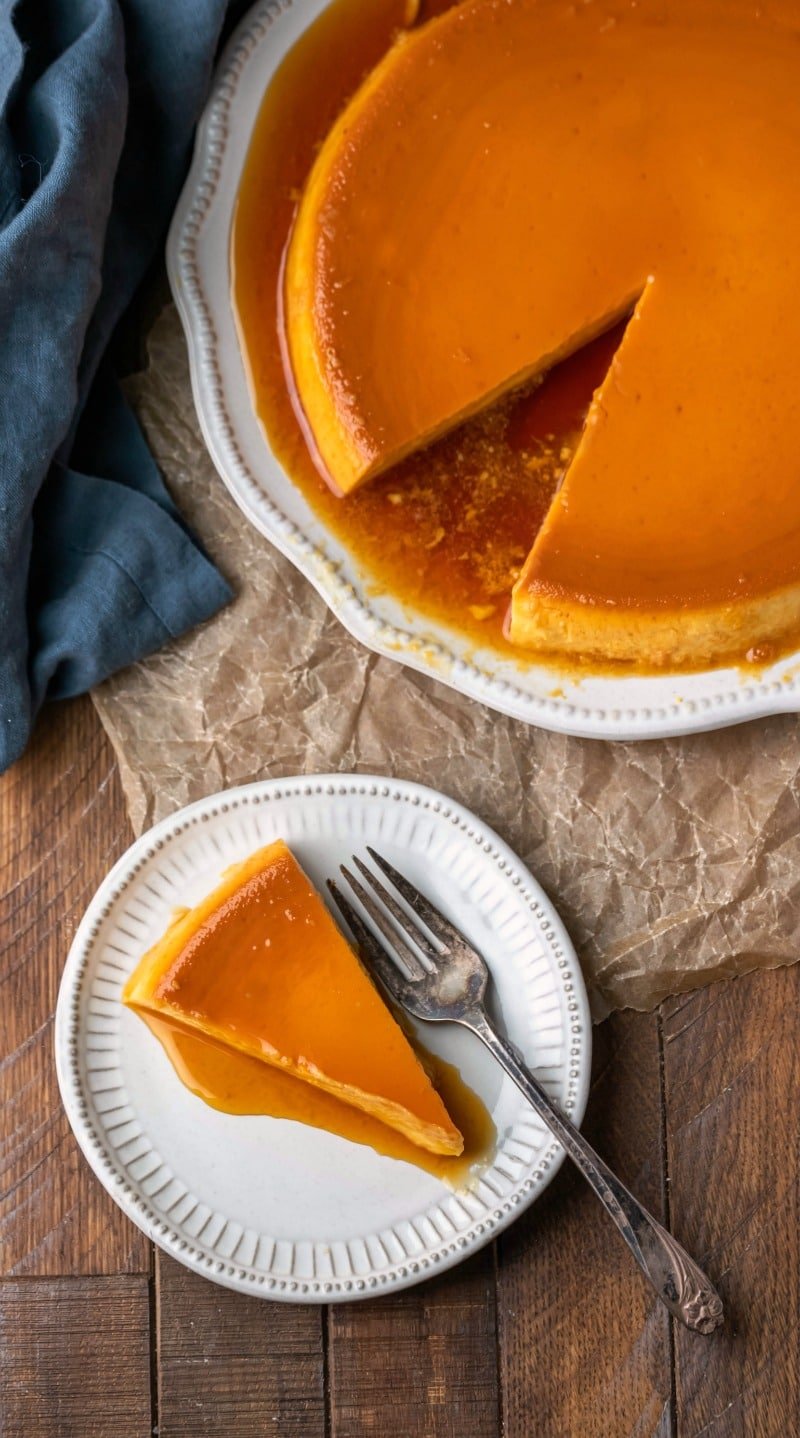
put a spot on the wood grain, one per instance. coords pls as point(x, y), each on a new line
point(566, 1340)
point(62, 824)
point(584, 1347)
point(74, 1355)
point(421, 1362)
point(228, 1364)
point(732, 1078)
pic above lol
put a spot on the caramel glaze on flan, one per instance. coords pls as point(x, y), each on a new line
point(260, 968)
point(508, 180)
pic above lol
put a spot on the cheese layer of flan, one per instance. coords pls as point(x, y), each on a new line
point(509, 179)
point(260, 967)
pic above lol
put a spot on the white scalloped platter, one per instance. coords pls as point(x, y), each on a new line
point(624, 707)
point(274, 1207)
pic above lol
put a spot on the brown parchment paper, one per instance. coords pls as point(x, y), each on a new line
point(673, 862)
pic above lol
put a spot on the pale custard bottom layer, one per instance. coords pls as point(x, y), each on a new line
point(657, 638)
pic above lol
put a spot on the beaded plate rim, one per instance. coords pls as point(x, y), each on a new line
point(127, 1191)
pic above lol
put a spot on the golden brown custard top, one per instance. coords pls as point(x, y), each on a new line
point(510, 178)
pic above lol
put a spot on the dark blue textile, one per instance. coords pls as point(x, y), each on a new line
point(98, 101)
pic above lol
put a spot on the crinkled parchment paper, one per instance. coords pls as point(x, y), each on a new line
point(673, 862)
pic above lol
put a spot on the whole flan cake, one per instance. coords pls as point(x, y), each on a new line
point(509, 180)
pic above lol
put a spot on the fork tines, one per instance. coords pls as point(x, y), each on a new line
point(385, 969)
point(413, 953)
point(444, 931)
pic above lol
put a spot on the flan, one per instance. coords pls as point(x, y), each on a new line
point(510, 179)
point(260, 967)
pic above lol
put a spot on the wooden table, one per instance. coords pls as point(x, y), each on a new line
point(551, 1332)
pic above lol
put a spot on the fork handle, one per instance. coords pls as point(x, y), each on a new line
point(676, 1278)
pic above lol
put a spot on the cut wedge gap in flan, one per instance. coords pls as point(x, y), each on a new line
point(343, 461)
point(540, 616)
point(505, 180)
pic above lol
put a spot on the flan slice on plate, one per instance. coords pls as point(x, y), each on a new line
point(511, 178)
point(260, 967)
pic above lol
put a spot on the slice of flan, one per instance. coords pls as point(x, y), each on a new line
point(509, 179)
point(260, 967)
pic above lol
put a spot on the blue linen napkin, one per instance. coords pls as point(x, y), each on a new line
point(98, 101)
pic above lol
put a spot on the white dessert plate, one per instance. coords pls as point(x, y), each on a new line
point(618, 707)
point(274, 1207)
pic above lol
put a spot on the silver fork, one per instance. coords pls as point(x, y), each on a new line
point(448, 983)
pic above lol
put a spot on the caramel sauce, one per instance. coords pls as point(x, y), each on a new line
point(263, 1008)
point(238, 1084)
point(447, 530)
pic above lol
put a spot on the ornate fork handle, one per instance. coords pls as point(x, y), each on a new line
point(676, 1278)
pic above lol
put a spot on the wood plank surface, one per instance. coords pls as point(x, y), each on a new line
point(418, 1362)
point(75, 1358)
point(732, 1077)
point(62, 826)
point(696, 1108)
point(233, 1365)
point(584, 1347)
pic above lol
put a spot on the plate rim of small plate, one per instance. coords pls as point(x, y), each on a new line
point(593, 706)
point(70, 1036)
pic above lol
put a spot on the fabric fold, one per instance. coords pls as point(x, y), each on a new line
point(98, 102)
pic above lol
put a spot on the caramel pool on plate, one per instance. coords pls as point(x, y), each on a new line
point(262, 1006)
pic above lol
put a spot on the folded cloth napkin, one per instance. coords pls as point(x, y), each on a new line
point(98, 101)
